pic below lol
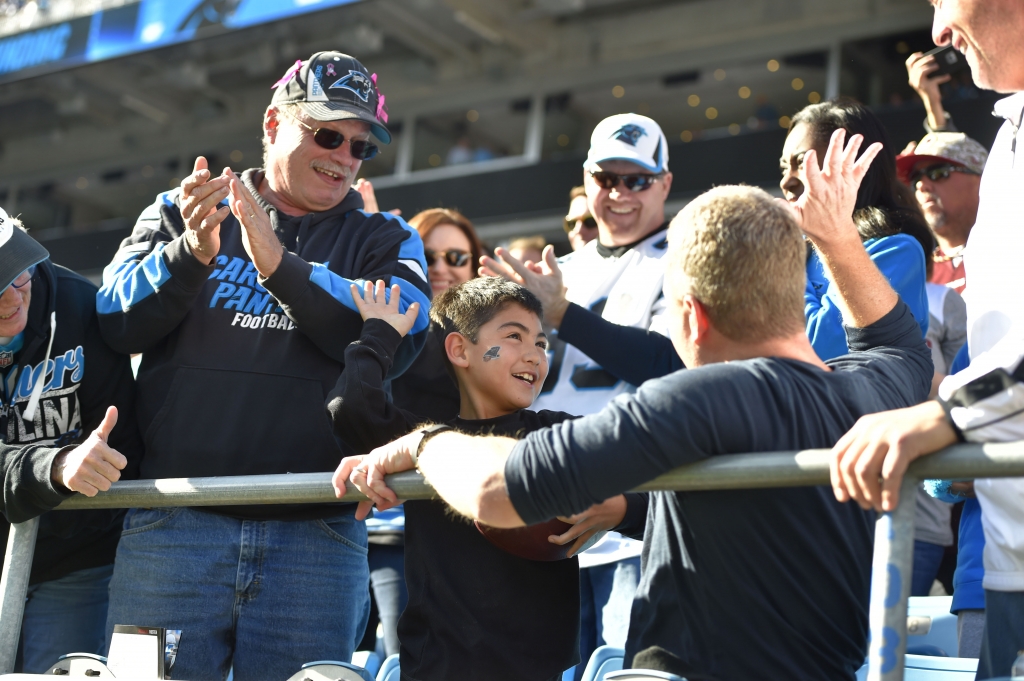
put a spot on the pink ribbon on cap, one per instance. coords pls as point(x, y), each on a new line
point(382, 115)
point(288, 75)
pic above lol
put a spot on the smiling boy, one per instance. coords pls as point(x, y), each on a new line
point(475, 611)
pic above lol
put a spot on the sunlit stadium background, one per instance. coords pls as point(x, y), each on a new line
point(105, 103)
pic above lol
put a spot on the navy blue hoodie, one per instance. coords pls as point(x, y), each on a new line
point(83, 377)
point(235, 368)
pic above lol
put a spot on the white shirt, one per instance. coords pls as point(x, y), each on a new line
point(625, 289)
point(988, 396)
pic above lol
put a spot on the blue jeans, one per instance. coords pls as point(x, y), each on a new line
point(387, 576)
point(265, 596)
point(927, 558)
point(65, 615)
point(1004, 633)
point(606, 598)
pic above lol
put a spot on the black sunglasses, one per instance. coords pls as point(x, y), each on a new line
point(938, 173)
point(588, 222)
point(454, 257)
point(635, 182)
point(332, 139)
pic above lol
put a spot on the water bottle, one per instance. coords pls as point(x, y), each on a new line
point(1017, 671)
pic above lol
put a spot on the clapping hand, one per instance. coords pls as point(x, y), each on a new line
point(258, 237)
point(825, 208)
point(373, 304)
point(201, 195)
point(544, 279)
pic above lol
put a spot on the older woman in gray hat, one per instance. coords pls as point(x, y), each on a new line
point(67, 425)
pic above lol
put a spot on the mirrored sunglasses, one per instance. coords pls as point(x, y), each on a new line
point(939, 172)
point(637, 182)
point(454, 257)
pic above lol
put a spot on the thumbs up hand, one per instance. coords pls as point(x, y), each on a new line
point(91, 466)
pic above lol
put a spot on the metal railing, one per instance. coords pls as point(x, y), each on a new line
point(894, 532)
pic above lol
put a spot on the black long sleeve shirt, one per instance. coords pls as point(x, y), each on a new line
point(737, 584)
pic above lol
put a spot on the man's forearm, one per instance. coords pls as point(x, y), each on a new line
point(468, 472)
point(865, 295)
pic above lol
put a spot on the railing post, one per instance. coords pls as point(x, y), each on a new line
point(891, 571)
point(21, 546)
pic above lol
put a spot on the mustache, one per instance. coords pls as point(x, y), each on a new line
point(322, 164)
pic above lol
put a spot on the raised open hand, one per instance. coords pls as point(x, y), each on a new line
point(544, 279)
point(373, 303)
point(825, 208)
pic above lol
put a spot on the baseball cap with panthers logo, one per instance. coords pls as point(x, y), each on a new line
point(629, 137)
point(331, 86)
point(18, 251)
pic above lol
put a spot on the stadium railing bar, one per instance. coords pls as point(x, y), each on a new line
point(891, 565)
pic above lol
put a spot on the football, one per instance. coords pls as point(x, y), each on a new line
point(530, 542)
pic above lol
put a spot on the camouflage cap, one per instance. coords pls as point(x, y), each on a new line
point(943, 147)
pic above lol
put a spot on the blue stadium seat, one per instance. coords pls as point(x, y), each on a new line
point(641, 675)
point(389, 670)
point(368, 660)
point(605, 659)
point(930, 668)
point(927, 668)
point(929, 623)
point(333, 670)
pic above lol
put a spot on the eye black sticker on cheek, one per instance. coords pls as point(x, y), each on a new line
point(491, 354)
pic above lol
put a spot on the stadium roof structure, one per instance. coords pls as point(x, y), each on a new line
point(510, 87)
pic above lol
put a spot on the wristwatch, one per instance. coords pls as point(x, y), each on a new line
point(427, 433)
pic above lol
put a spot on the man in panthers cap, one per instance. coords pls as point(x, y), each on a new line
point(237, 289)
point(944, 170)
point(613, 282)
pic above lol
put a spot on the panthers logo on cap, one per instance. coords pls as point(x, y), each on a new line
point(630, 134)
point(357, 82)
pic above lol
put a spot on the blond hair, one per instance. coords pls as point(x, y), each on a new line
point(743, 257)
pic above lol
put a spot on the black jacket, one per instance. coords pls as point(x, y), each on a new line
point(84, 377)
point(235, 368)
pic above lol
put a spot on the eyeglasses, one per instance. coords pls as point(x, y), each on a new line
point(938, 173)
point(454, 257)
point(588, 222)
point(332, 139)
point(635, 183)
point(23, 279)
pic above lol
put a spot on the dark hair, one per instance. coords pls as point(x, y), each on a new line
point(884, 205)
point(425, 221)
point(467, 307)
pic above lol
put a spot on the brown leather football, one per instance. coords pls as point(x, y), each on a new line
point(530, 542)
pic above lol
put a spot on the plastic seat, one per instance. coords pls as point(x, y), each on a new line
point(368, 660)
point(929, 623)
point(931, 668)
point(604, 660)
point(927, 668)
point(389, 671)
point(640, 675)
point(331, 670)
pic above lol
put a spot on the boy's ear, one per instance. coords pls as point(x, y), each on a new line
point(457, 347)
